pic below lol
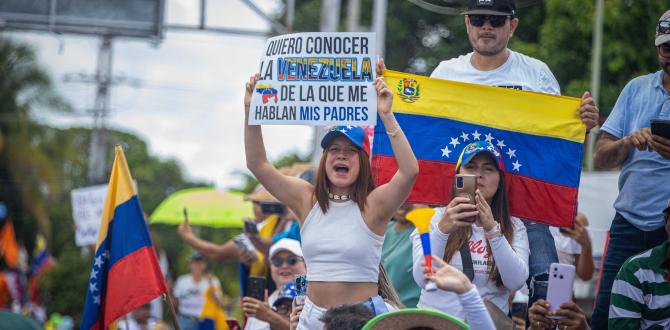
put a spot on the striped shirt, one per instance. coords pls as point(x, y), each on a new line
point(640, 296)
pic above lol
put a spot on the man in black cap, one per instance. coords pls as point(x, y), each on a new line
point(490, 25)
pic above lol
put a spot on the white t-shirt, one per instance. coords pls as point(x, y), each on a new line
point(191, 295)
point(256, 324)
point(518, 72)
point(566, 247)
point(511, 260)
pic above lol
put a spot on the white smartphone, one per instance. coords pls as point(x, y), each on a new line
point(559, 289)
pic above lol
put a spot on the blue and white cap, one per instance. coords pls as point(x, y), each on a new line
point(475, 148)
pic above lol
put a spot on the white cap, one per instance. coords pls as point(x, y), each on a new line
point(286, 244)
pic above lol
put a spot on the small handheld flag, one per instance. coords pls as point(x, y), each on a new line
point(421, 220)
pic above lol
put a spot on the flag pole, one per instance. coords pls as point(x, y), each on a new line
point(173, 313)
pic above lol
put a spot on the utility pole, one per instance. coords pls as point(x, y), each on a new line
point(103, 79)
point(330, 18)
point(98, 146)
point(596, 60)
point(379, 25)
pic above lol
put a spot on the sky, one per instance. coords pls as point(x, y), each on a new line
point(189, 105)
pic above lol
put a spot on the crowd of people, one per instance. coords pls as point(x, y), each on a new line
point(342, 254)
point(327, 249)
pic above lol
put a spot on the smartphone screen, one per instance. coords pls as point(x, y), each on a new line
point(272, 208)
point(256, 287)
point(519, 309)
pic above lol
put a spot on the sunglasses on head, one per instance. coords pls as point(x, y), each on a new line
point(495, 20)
point(291, 260)
point(664, 26)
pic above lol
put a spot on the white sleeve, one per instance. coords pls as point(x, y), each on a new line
point(438, 241)
point(178, 288)
point(547, 82)
point(512, 263)
point(475, 311)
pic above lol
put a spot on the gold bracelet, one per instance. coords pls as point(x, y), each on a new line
point(394, 133)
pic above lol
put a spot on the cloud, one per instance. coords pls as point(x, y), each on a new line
point(189, 103)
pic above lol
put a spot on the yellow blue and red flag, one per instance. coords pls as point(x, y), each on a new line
point(125, 273)
point(540, 136)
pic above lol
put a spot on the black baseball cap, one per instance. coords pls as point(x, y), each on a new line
point(491, 7)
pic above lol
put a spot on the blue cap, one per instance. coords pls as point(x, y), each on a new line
point(475, 148)
point(355, 134)
point(287, 292)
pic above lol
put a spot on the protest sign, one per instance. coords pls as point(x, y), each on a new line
point(316, 79)
point(87, 206)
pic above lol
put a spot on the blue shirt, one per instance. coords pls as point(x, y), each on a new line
point(644, 182)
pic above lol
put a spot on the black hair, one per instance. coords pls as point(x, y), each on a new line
point(347, 317)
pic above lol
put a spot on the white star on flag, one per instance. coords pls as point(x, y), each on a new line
point(94, 273)
point(349, 127)
point(501, 144)
point(344, 130)
point(93, 288)
point(488, 137)
point(98, 261)
point(465, 136)
point(446, 151)
point(516, 165)
point(476, 135)
point(511, 153)
point(96, 300)
point(454, 142)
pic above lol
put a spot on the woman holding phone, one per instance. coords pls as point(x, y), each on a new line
point(493, 244)
point(343, 217)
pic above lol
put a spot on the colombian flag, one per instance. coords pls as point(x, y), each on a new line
point(540, 136)
point(125, 272)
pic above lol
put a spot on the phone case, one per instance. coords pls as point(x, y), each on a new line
point(465, 186)
point(250, 227)
point(559, 289)
point(300, 289)
point(256, 287)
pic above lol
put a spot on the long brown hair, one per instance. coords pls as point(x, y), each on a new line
point(361, 187)
point(500, 210)
point(386, 289)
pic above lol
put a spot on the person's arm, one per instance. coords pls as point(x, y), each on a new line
point(584, 260)
point(261, 310)
point(261, 245)
point(448, 278)
point(611, 151)
point(294, 192)
point(512, 263)
point(388, 197)
point(226, 252)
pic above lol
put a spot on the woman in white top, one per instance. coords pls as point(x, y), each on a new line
point(496, 242)
point(343, 217)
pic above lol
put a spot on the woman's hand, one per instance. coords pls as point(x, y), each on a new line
point(295, 315)
point(574, 318)
point(580, 234)
point(249, 91)
point(537, 315)
point(458, 211)
point(446, 277)
point(485, 216)
point(257, 309)
point(384, 96)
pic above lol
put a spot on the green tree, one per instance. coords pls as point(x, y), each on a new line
point(26, 175)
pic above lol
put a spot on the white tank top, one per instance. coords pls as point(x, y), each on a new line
point(339, 247)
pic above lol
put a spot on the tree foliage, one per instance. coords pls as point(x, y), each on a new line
point(558, 32)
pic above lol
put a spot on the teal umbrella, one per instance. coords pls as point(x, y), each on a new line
point(206, 207)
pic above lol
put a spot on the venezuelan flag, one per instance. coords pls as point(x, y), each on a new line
point(541, 137)
point(125, 273)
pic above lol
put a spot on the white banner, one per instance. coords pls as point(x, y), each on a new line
point(317, 79)
point(87, 207)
